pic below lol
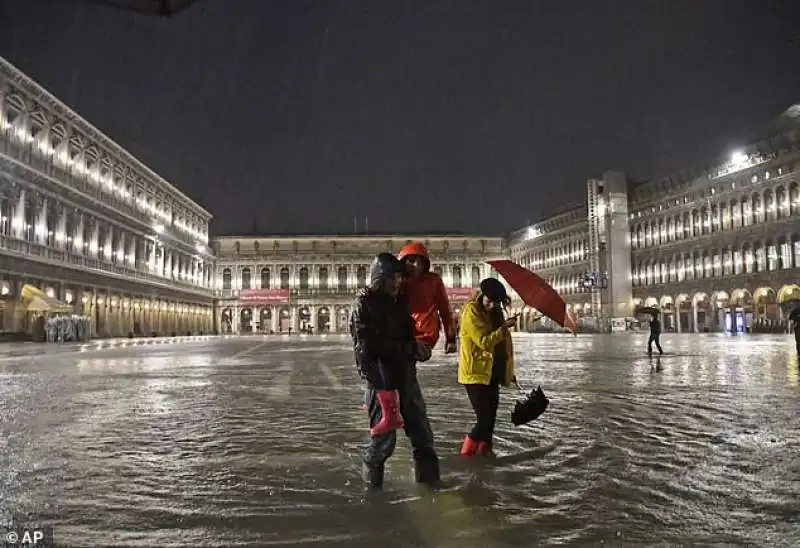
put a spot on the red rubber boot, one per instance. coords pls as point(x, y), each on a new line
point(469, 448)
point(485, 450)
point(391, 419)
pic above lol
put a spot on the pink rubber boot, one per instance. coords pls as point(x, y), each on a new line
point(391, 419)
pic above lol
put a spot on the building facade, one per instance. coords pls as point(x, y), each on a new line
point(719, 249)
point(713, 249)
point(308, 283)
point(92, 227)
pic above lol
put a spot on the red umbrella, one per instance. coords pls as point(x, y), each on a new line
point(535, 292)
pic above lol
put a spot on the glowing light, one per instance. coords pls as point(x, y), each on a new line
point(738, 157)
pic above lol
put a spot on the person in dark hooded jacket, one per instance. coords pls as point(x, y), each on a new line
point(386, 353)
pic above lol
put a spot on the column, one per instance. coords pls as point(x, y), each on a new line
point(274, 319)
point(131, 253)
point(312, 311)
point(40, 230)
point(77, 238)
point(694, 317)
point(18, 216)
point(295, 315)
point(61, 230)
point(94, 240)
point(108, 248)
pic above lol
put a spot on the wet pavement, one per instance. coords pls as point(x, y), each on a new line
point(254, 441)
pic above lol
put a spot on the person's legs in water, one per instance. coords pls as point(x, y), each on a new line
point(419, 432)
point(379, 448)
point(485, 447)
point(650, 343)
point(656, 339)
point(481, 401)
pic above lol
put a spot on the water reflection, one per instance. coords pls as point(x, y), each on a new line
point(257, 440)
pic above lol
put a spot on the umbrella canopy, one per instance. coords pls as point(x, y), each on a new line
point(794, 315)
point(535, 292)
point(790, 305)
point(530, 408)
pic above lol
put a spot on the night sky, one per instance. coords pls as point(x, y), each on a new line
point(475, 116)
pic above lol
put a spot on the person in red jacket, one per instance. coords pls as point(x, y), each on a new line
point(427, 298)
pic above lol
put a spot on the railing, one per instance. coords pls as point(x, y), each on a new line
point(325, 292)
point(79, 184)
point(299, 293)
point(60, 257)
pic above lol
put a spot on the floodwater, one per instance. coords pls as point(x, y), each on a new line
point(254, 441)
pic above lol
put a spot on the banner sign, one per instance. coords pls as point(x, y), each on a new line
point(264, 296)
point(459, 295)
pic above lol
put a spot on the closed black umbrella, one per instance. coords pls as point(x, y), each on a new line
point(530, 408)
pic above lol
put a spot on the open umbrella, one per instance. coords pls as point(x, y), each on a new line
point(646, 310)
point(530, 408)
point(790, 305)
point(535, 292)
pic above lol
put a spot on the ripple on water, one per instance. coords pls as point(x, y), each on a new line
point(193, 447)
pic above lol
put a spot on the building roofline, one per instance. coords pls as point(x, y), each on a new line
point(371, 236)
point(71, 115)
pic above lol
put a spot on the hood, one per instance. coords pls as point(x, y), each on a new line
point(383, 267)
point(415, 248)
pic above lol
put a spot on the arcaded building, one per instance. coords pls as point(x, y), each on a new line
point(86, 228)
point(719, 248)
point(713, 249)
point(308, 283)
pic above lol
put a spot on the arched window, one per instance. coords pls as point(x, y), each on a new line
point(456, 276)
point(246, 278)
point(265, 278)
point(226, 279)
point(361, 276)
point(342, 278)
point(323, 277)
point(304, 278)
point(284, 278)
point(476, 276)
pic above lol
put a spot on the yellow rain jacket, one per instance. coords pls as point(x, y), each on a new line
point(478, 340)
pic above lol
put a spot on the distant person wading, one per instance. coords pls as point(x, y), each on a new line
point(655, 335)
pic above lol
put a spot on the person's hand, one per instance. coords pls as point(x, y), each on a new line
point(422, 352)
point(450, 347)
point(362, 293)
point(510, 322)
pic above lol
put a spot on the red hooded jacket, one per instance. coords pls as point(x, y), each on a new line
point(427, 299)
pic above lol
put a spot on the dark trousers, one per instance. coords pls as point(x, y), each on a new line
point(418, 430)
point(654, 338)
point(484, 398)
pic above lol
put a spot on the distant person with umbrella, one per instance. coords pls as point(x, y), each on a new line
point(655, 335)
point(485, 361)
point(794, 317)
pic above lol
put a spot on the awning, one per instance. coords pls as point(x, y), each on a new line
point(36, 300)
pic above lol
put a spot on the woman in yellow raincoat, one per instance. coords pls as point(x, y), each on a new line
point(485, 360)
